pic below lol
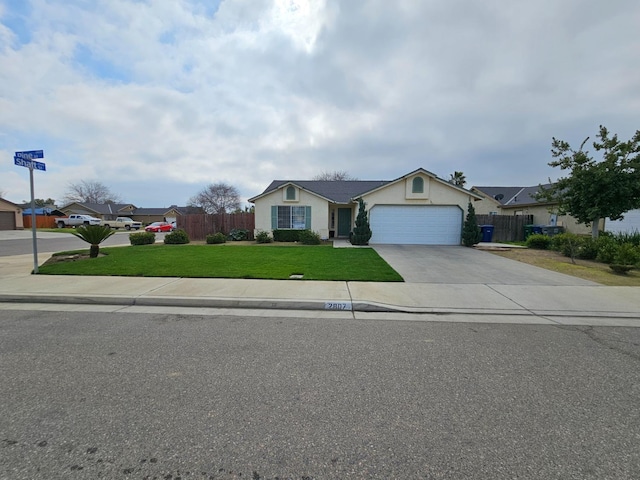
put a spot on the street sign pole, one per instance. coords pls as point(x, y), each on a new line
point(33, 223)
point(26, 159)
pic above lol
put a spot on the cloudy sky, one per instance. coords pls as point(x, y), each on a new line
point(159, 98)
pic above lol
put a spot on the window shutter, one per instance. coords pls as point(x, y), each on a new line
point(307, 217)
point(274, 217)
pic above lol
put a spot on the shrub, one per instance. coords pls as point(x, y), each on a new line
point(538, 241)
point(263, 237)
point(216, 238)
point(286, 235)
point(94, 235)
point(567, 243)
point(627, 237)
point(142, 238)
point(307, 237)
point(471, 233)
point(588, 249)
point(176, 237)
point(607, 252)
point(362, 231)
point(627, 254)
point(238, 234)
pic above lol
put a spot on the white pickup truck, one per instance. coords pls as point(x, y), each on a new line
point(122, 222)
point(76, 221)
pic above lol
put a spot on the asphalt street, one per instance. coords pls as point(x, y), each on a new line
point(111, 395)
point(21, 243)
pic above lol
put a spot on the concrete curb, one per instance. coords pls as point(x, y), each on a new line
point(284, 304)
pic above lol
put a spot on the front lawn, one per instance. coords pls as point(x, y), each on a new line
point(222, 261)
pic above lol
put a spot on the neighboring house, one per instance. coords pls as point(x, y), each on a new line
point(417, 208)
point(10, 216)
point(45, 216)
point(629, 224)
point(109, 211)
point(522, 201)
point(43, 211)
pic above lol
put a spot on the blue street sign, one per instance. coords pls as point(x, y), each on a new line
point(30, 154)
point(29, 163)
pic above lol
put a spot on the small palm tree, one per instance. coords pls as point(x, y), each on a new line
point(458, 179)
point(93, 235)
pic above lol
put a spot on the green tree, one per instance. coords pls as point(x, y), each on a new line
point(596, 189)
point(362, 231)
point(458, 179)
point(93, 235)
point(41, 202)
point(470, 230)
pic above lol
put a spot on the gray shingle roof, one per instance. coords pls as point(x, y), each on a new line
point(117, 209)
point(512, 196)
point(105, 208)
point(337, 191)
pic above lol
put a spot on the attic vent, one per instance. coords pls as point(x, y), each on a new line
point(499, 196)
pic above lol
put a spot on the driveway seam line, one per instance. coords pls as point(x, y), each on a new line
point(533, 313)
point(353, 311)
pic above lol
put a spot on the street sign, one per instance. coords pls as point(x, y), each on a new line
point(26, 159)
point(29, 163)
point(30, 154)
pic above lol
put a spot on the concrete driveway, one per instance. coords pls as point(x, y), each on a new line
point(461, 265)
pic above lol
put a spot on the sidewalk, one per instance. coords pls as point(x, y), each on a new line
point(582, 305)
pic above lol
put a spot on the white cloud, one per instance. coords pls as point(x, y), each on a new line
point(159, 98)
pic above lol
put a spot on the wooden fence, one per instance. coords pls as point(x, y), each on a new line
point(506, 228)
point(198, 226)
point(42, 221)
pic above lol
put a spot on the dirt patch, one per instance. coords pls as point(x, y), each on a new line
point(586, 269)
point(71, 257)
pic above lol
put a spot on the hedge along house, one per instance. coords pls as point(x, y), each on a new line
point(418, 208)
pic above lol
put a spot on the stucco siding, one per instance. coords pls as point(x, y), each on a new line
point(319, 210)
point(438, 194)
point(487, 206)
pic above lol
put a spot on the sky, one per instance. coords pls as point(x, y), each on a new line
point(157, 99)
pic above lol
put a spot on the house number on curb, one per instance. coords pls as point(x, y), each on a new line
point(338, 306)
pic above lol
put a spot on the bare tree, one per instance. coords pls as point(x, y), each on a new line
point(340, 175)
point(217, 198)
point(90, 192)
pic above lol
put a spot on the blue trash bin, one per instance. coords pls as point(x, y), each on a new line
point(487, 232)
point(537, 229)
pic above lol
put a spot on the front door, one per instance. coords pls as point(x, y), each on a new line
point(344, 222)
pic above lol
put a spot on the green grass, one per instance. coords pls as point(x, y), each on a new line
point(221, 261)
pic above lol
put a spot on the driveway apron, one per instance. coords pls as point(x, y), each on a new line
point(462, 265)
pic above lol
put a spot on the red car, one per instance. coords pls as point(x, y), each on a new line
point(159, 227)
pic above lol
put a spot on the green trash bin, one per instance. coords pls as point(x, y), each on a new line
point(528, 230)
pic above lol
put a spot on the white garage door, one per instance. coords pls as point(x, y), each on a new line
point(416, 224)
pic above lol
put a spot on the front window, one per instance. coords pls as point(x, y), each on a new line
point(291, 217)
point(291, 193)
